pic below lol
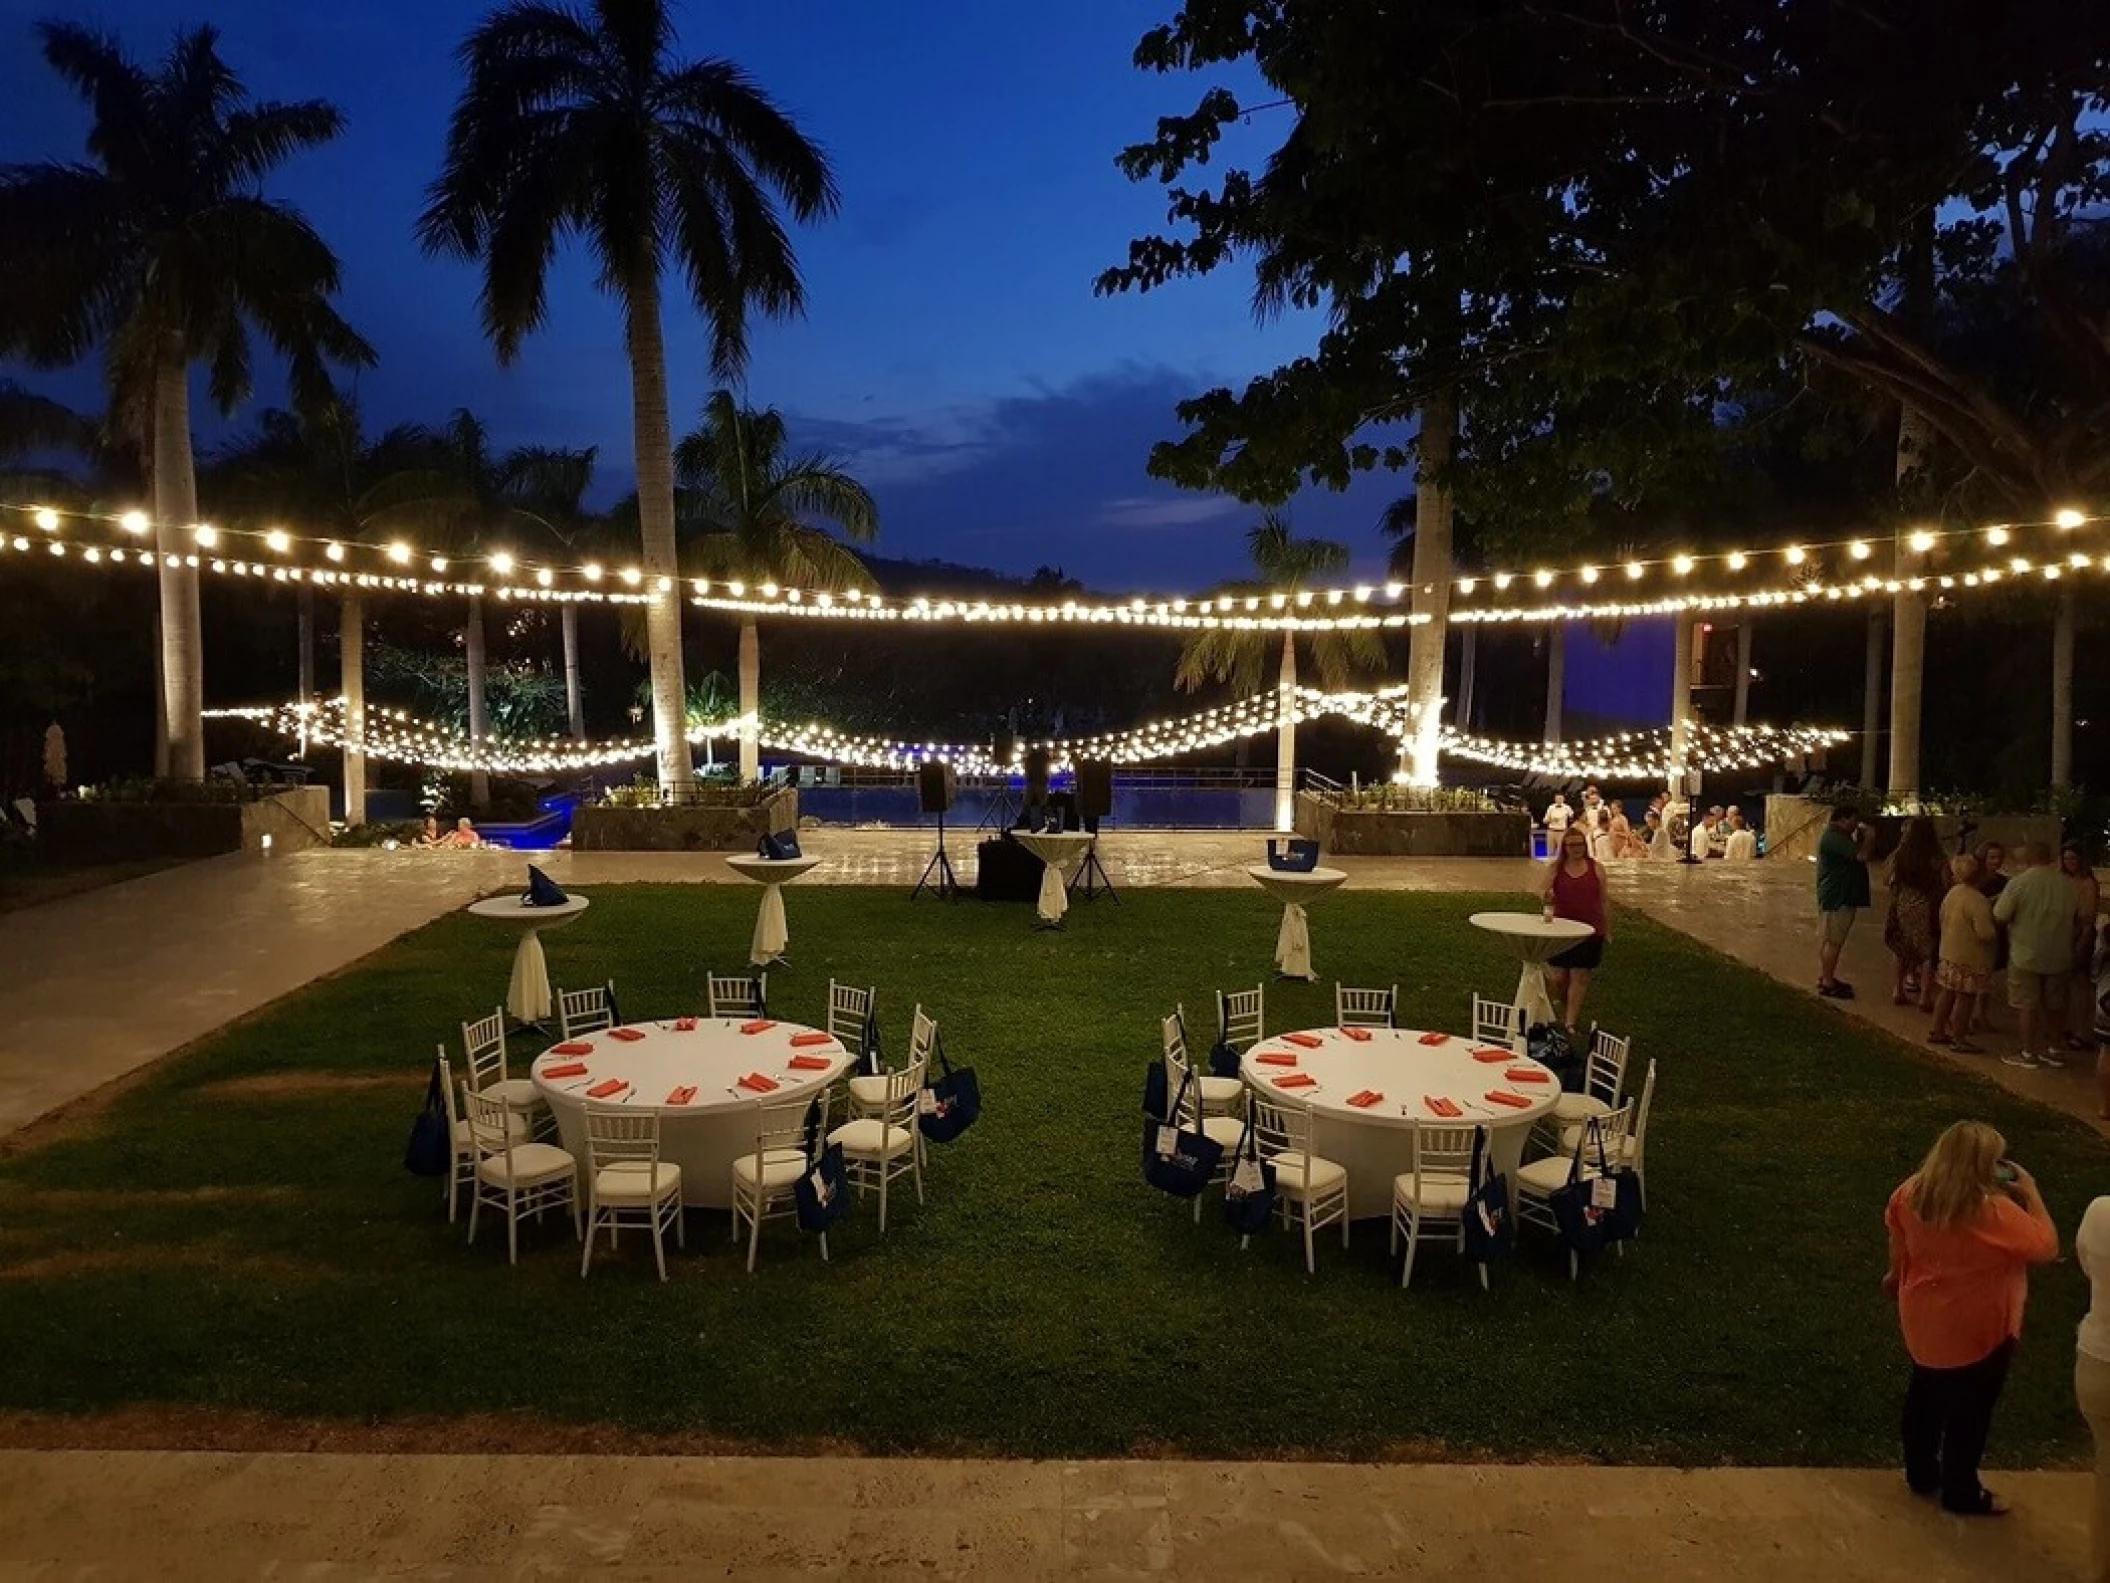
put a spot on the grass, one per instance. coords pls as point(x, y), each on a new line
point(205, 1244)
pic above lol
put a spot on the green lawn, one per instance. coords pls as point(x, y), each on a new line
point(263, 1250)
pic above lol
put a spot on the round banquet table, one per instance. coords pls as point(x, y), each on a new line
point(772, 929)
point(1375, 1144)
point(527, 996)
point(713, 1129)
point(1059, 851)
point(1533, 938)
point(1296, 892)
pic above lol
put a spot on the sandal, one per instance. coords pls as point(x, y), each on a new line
point(1938, 1037)
point(1966, 1047)
point(1984, 1504)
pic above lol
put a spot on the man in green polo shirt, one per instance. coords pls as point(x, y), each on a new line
point(1842, 891)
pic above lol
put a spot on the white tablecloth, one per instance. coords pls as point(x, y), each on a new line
point(1059, 852)
point(715, 1128)
point(1295, 892)
point(772, 928)
point(1533, 938)
point(527, 996)
point(1375, 1145)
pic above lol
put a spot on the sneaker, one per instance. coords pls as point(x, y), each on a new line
point(2021, 1058)
point(2051, 1058)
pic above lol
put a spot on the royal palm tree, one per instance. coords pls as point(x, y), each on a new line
point(163, 251)
point(1285, 563)
point(549, 484)
point(751, 513)
point(584, 122)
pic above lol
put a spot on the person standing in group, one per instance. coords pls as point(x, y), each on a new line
point(1917, 879)
point(1558, 817)
point(1742, 845)
point(1842, 891)
point(2087, 899)
point(2091, 1371)
point(1620, 839)
point(1965, 939)
point(1992, 880)
point(1592, 819)
point(1964, 1230)
point(2099, 999)
point(2043, 926)
point(1654, 839)
point(1574, 888)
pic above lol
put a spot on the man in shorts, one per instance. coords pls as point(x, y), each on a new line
point(2044, 922)
point(1842, 891)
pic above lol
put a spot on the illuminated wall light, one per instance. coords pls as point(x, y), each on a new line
point(47, 519)
point(206, 534)
point(1681, 564)
point(502, 564)
point(2070, 519)
point(1996, 536)
point(134, 522)
point(1859, 550)
point(399, 552)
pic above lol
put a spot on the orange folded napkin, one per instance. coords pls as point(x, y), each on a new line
point(800, 1041)
point(1527, 1074)
point(627, 1035)
point(576, 1047)
point(1272, 1059)
point(758, 1026)
point(681, 1096)
point(1501, 1096)
point(566, 1069)
point(759, 1083)
point(614, 1085)
point(1359, 1035)
point(1440, 1106)
point(684, 1024)
point(1494, 1055)
point(1435, 1038)
point(1309, 1041)
point(810, 1063)
point(1297, 1080)
point(1365, 1099)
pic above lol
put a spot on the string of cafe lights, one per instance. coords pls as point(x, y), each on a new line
point(394, 735)
point(1792, 574)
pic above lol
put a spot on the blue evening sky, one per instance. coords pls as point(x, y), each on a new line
point(953, 351)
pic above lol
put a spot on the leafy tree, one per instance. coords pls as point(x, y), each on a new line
point(549, 484)
point(162, 251)
point(583, 123)
point(1285, 563)
point(751, 513)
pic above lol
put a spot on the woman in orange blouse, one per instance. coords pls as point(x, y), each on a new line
point(1964, 1230)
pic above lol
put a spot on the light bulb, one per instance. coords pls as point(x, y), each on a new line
point(1859, 550)
point(47, 519)
point(545, 577)
point(1996, 535)
point(1467, 584)
point(134, 522)
point(2070, 518)
point(1634, 570)
point(1737, 560)
point(1589, 574)
point(278, 541)
point(1795, 554)
point(206, 534)
point(1681, 564)
point(439, 563)
point(1503, 579)
point(502, 564)
point(1921, 542)
point(1542, 577)
point(333, 551)
point(399, 552)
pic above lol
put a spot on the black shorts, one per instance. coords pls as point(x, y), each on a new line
point(1585, 954)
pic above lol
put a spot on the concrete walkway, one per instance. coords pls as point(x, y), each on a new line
point(178, 1515)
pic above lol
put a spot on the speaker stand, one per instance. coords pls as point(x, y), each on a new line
point(1091, 873)
point(937, 873)
point(1002, 809)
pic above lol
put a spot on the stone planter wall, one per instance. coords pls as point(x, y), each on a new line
point(1793, 825)
point(109, 832)
point(1351, 832)
point(699, 829)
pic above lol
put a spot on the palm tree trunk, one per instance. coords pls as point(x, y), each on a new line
point(1556, 678)
point(1680, 705)
point(1872, 702)
point(1908, 624)
point(574, 700)
point(2062, 687)
point(1286, 737)
point(1468, 662)
point(1743, 669)
point(750, 702)
point(479, 713)
point(176, 508)
point(1432, 587)
point(653, 441)
point(351, 681)
point(304, 624)
point(161, 706)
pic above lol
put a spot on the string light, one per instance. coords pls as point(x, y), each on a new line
point(2069, 519)
point(47, 519)
point(134, 523)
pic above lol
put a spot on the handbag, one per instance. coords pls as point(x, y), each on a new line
point(822, 1192)
point(1488, 1230)
point(542, 891)
point(431, 1151)
point(1249, 1197)
point(948, 1107)
point(1548, 1044)
point(1224, 1059)
point(1175, 1160)
point(776, 848)
point(871, 1063)
point(1595, 1211)
point(1293, 856)
point(615, 1015)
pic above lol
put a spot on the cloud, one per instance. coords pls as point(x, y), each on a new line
point(1150, 511)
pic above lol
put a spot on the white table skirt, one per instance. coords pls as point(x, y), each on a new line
point(528, 992)
point(1059, 852)
point(1295, 891)
point(1533, 938)
point(772, 925)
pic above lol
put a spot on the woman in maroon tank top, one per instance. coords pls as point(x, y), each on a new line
point(1574, 888)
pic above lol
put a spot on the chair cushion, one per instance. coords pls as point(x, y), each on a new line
point(1440, 1194)
point(1218, 1090)
point(1226, 1130)
point(636, 1182)
point(1579, 1107)
point(868, 1091)
point(1289, 1175)
point(533, 1164)
point(515, 1093)
point(1547, 1175)
point(516, 1129)
point(778, 1168)
point(870, 1139)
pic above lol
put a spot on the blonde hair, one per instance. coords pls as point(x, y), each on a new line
point(1964, 867)
point(1954, 1181)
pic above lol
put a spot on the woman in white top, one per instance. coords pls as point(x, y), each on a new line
point(2091, 1372)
